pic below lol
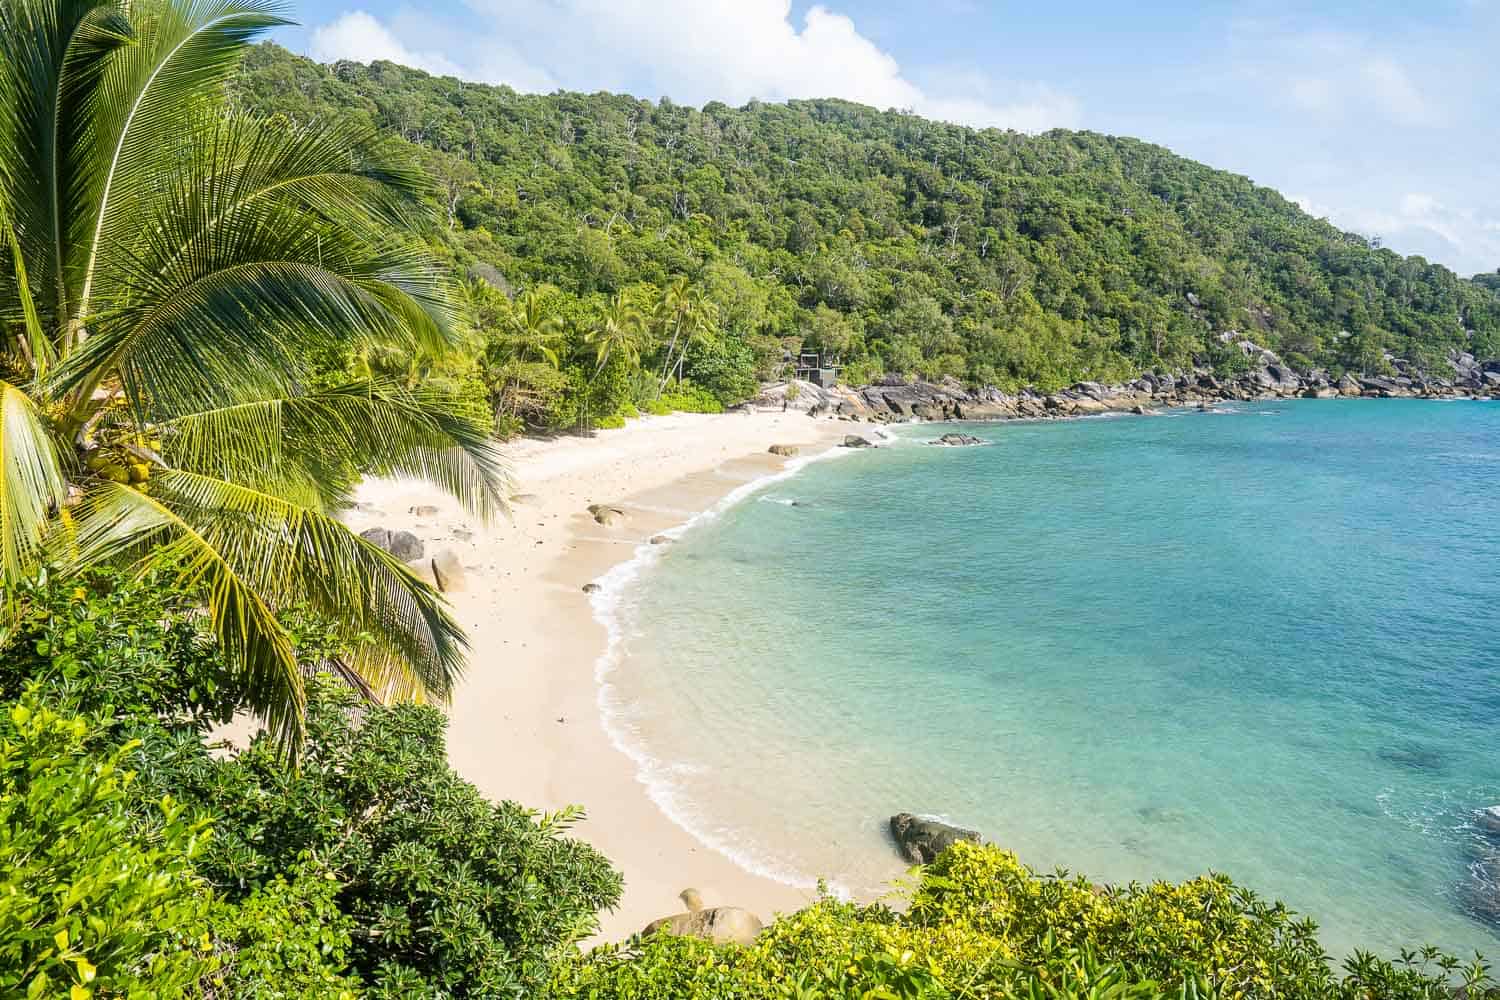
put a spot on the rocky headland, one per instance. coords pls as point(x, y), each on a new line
point(894, 399)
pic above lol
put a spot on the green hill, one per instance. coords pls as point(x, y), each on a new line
point(909, 246)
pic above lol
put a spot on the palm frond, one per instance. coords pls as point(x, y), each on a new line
point(182, 50)
point(31, 483)
point(52, 55)
point(295, 556)
point(119, 522)
point(312, 447)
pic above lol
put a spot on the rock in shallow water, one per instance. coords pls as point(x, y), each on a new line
point(921, 840)
point(855, 441)
point(1488, 820)
point(958, 440)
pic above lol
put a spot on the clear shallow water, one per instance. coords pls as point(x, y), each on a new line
point(1264, 642)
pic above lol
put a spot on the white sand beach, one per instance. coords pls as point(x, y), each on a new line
point(525, 723)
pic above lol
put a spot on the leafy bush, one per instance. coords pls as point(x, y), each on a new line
point(94, 899)
point(982, 925)
point(372, 860)
point(446, 892)
point(685, 397)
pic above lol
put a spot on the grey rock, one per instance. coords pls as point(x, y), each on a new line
point(958, 440)
point(855, 441)
point(591, 588)
point(401, 544)
point(1488, 820)
point(784, 450)
point(661, 540)
point(922, 840)
point(424, 510)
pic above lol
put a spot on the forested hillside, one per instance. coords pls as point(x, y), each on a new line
point(907, 246)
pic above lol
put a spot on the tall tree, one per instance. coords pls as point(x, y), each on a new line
point(172, 270)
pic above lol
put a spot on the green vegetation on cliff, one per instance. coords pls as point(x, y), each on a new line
point(908, 246)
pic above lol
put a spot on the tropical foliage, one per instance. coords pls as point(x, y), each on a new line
point(190, 302)
point(906, 246)
point(135, 861)
point(981, 925)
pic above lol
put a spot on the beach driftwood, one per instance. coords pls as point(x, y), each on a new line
point(719, 924)
point(921, 840)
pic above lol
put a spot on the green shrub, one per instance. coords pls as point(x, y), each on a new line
point(685, 397)
point(94, 899)
point(982, 925)
point(447, 893)
point(286, 939)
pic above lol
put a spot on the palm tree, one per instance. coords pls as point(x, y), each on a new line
point(618, 331)
point(530, 330)
point(689, 315)
point(168, 270)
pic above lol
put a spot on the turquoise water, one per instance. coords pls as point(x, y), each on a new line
point(1263, 642)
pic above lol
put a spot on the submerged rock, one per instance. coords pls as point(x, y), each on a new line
point(958, 440)
point(921, 840)
point(719, 924)
point(1488, 820)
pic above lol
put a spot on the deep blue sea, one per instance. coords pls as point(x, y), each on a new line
point(1263, 641)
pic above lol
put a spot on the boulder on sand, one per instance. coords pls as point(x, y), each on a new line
point(424, 510)
point(719, 924)
point(448, 571)
point(401, 544)
point(784, 450)
point(855, 441)
point(921, 840)
point(606, 515)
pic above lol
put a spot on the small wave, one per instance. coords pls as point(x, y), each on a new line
point(658, 777)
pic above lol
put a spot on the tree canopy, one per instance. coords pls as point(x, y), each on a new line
point(909, 246)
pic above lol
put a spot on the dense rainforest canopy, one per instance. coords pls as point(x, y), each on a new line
point(907, 246)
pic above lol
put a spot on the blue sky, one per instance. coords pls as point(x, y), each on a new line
point(1383, 117)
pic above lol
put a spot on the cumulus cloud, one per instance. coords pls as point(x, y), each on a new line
point(690, 50)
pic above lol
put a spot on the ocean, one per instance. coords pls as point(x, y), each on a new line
point(1262, 641)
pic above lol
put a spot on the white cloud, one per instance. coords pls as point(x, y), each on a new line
point(690, 50)
point(1334, 75)
point(362, 38)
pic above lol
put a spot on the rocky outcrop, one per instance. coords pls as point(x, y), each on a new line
point(958, 441)
point(1262, 375)
point(401, 544)
point(784, 450)
point(921, 840)
point(719, 924)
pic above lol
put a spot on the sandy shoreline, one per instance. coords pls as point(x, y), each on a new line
point(525, 722)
